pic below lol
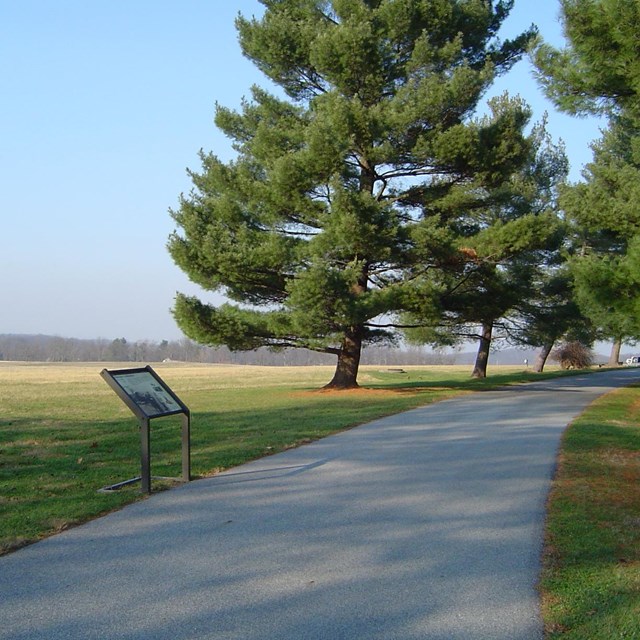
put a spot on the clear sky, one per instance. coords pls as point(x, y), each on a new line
point(104, 105)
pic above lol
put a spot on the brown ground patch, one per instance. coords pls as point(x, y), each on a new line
point(363, 392)
point(624, 463)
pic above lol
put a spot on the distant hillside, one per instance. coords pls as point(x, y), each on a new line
point(44, 348)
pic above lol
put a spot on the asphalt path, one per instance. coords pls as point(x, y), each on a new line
point(425, 525)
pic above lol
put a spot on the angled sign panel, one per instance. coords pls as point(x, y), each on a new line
point(144, 392)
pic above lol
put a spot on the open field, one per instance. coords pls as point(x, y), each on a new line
point(64, 433)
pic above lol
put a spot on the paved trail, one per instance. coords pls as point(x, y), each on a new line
point(425, 525)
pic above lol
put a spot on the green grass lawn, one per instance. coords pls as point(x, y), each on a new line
point(591, 576)
point(64, 433)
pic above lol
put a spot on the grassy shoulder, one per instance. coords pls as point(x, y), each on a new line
point(591, 576)
point(64, 433)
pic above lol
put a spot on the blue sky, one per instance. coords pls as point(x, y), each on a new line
point(105, 104)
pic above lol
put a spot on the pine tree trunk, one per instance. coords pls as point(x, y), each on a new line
point(346, 374)
point(541, 358)
point(614, 357)
point(482, 359)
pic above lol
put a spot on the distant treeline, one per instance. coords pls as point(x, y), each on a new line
point(42, 348)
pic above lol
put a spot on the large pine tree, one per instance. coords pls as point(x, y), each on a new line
point(599, 73)
point(605, 210)
point(348, 184)
point(509, 243)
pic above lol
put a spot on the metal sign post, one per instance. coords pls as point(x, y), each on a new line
point(186, 447)
point(145, 455)
point(148, 397)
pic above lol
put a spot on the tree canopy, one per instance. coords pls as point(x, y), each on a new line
point(510, 244)
point(599, 72)
point(357, 181)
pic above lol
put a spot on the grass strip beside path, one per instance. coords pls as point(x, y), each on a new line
point(591, 576)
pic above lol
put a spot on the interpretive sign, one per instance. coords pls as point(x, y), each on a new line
point(144, 392)
point(148, 396)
